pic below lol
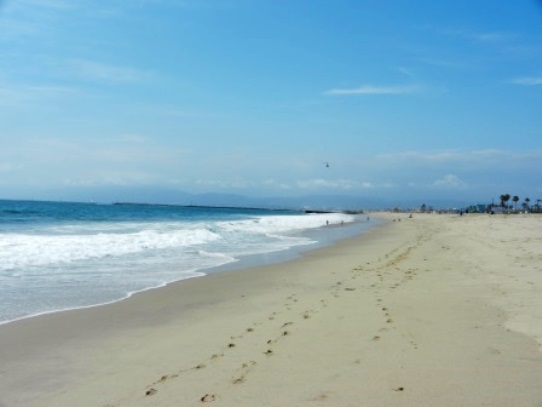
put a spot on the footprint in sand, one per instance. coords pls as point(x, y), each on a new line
point(245, 369)
point(248, 364)
point(240, 379)
point(321, 397)
point(208, 398)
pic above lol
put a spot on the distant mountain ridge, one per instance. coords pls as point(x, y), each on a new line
point(157, 195)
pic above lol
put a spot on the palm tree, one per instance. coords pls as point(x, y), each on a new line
point(504, 198)
point(526, 204)
point(515, 199)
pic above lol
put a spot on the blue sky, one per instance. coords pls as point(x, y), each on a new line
point(427, 99)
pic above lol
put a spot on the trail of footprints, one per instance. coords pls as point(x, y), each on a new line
point(389, 276)
point(241, 375)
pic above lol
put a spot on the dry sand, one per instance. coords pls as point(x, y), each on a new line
point(438, 310)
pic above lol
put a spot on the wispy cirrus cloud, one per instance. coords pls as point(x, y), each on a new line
point(21, 94)
point(508, 43)
point(54, 4)
point(90, 70)
point(528, 81)
point(479, 36)
point(376, 90)
point(472, 159)
point(31, 18)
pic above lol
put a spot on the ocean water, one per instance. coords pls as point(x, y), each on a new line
point(56, 256)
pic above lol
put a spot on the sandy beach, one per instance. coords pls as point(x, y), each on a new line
point(437, 310)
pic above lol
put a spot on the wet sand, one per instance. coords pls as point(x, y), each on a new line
point(434, 310)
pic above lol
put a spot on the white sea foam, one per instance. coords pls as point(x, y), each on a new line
point(273, 225)
point(19, 250)
point(46, 266)
point(66, 244)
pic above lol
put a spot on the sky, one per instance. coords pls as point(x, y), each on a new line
point(425, 100)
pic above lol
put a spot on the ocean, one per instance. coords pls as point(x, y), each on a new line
point(57, 256)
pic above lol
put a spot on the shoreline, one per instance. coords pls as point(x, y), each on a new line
point(405, 314)
point(339, 232)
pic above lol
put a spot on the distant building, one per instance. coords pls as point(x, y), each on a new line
point(479, 208)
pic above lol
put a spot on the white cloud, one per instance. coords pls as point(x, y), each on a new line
point(455, 157)
point(111, 177)
point(32, 18)
point(15, 94)
point(223, 184)
point(417, 155)
point(97, 71)
point(277, 184)
point(482, 37)
point(132, 139)
point(14, 29)
point(375, 90)
point(449, 181)
point(339, 184)
point(273, 184)
point(405, 71)
point(54, 4)
point(528, 81)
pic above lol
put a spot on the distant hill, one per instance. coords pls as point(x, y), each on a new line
point(157, 195)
